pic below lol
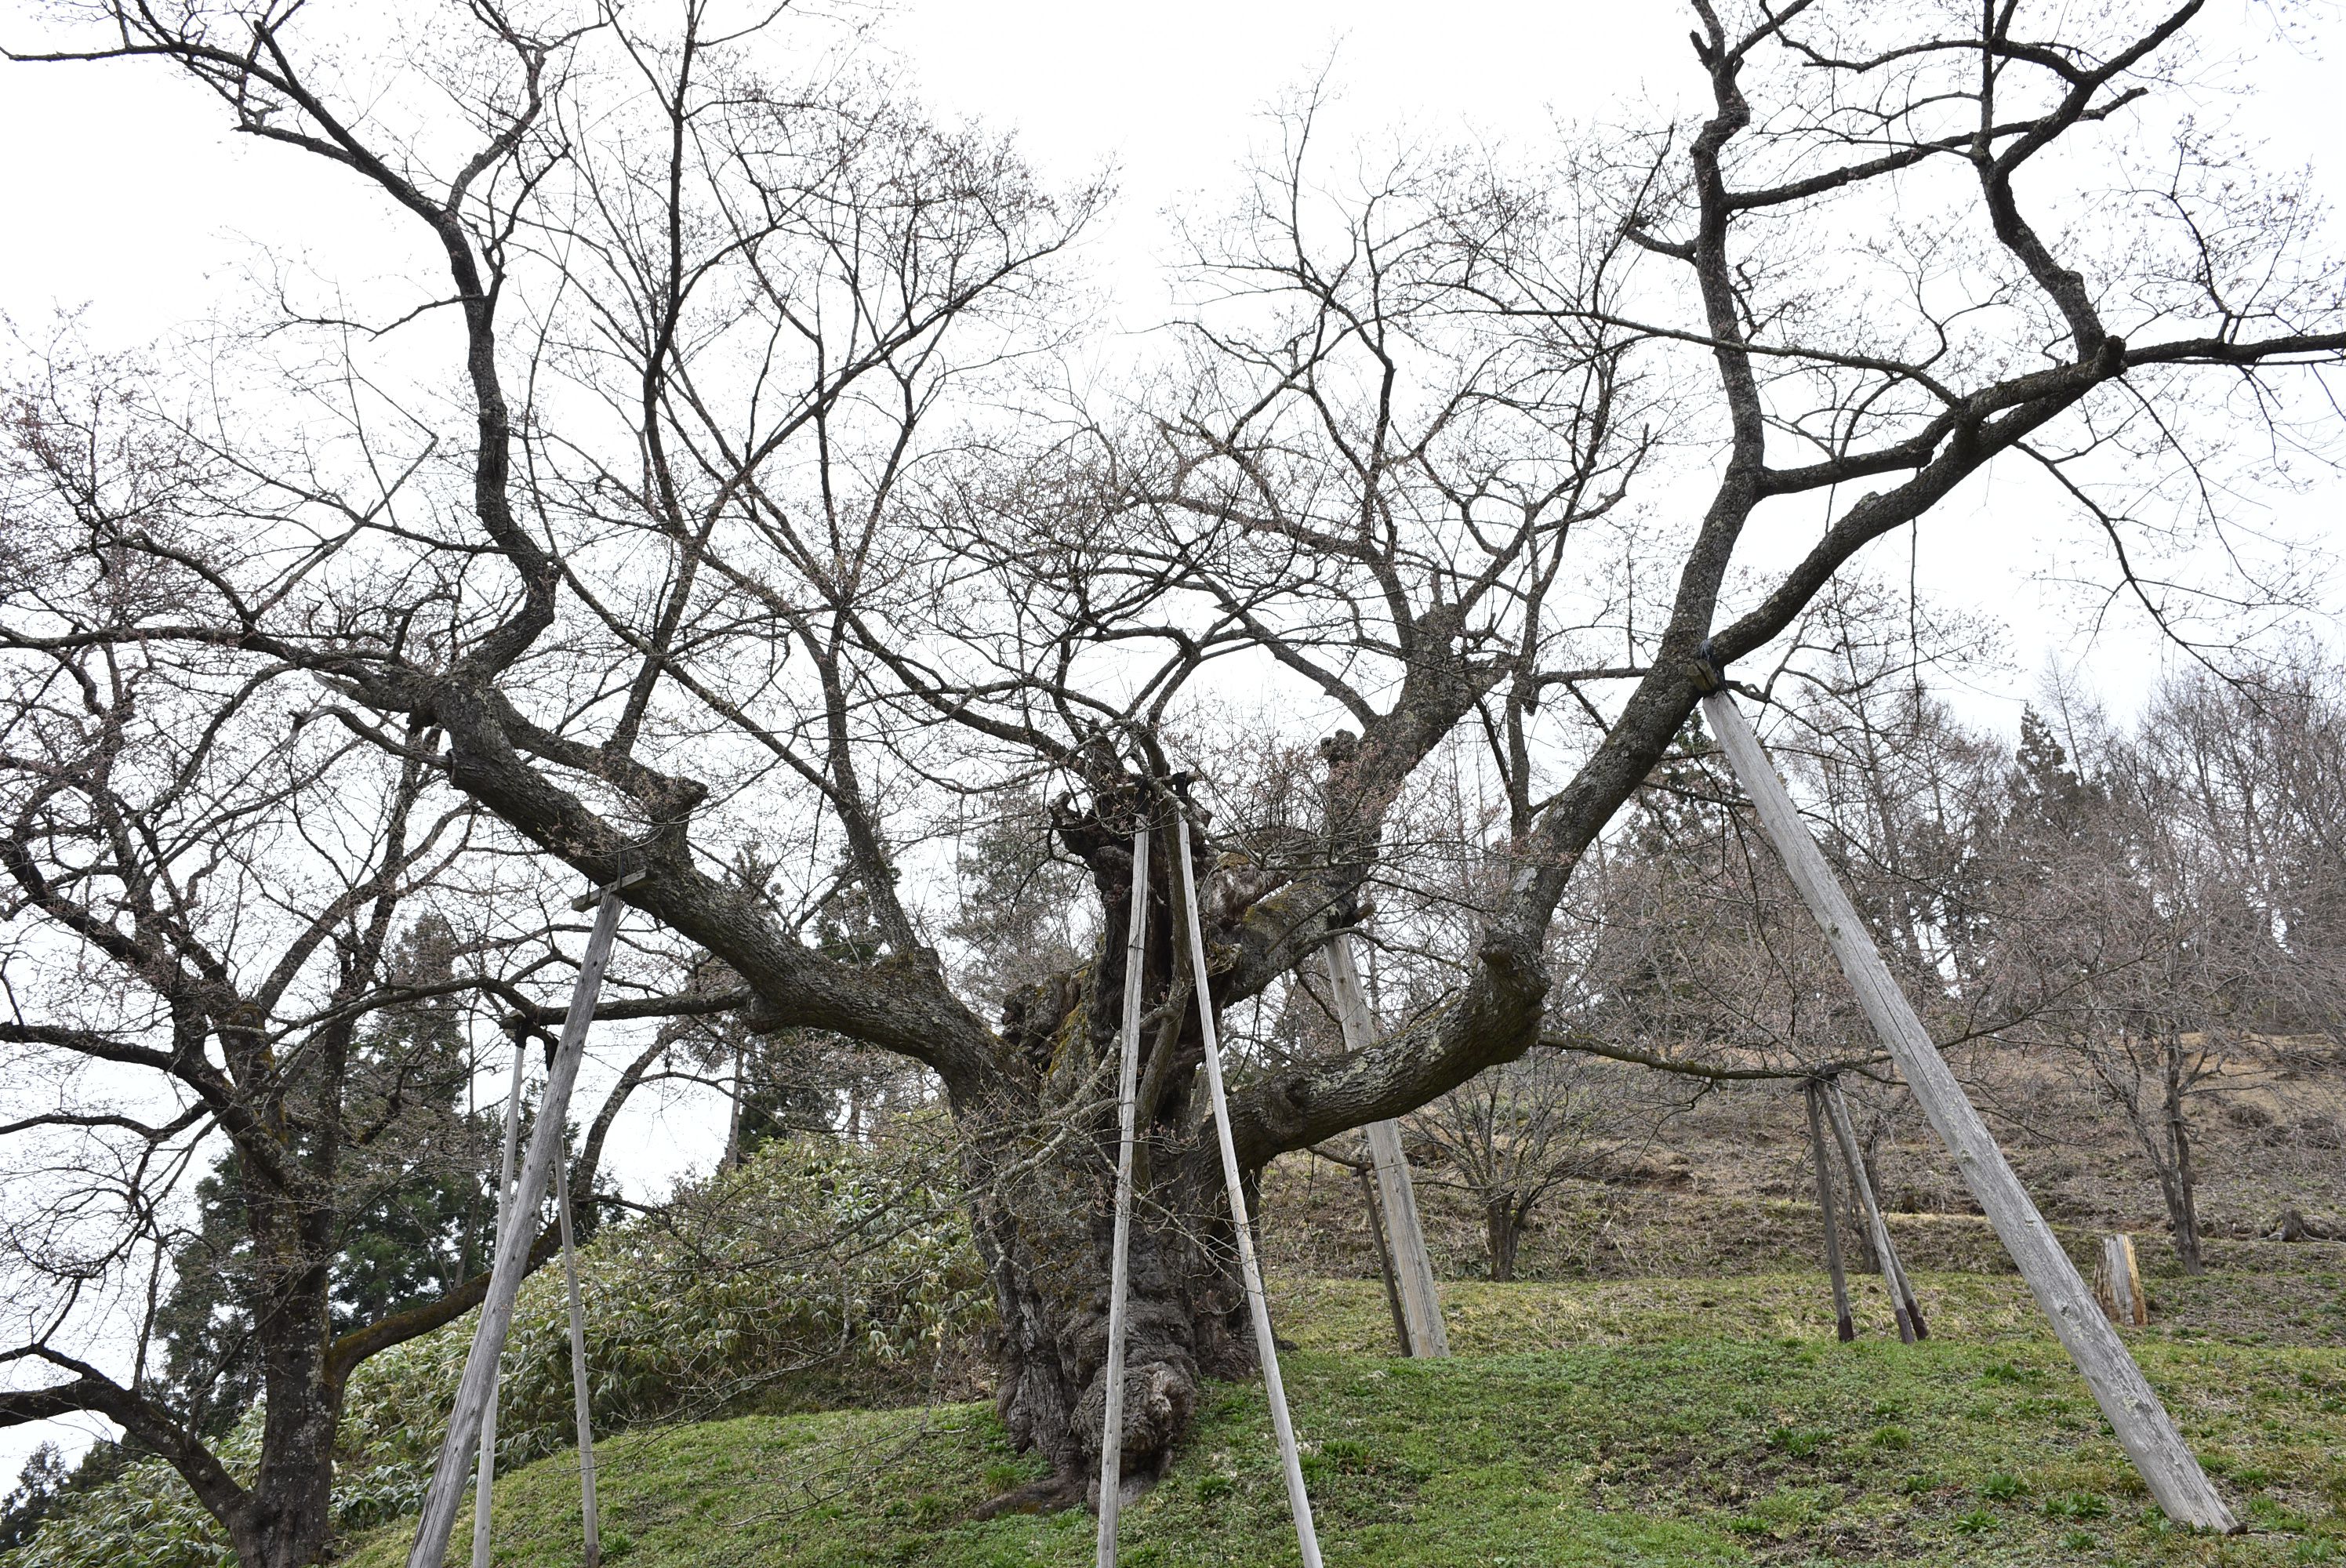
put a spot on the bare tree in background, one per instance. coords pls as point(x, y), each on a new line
point(1512, 1136)
point(226, 957)
point(2154, 899)
point(758, 526)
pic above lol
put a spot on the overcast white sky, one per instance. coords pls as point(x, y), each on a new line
point(126, 194)
point(131, 197)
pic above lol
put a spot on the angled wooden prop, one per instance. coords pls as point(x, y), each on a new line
point(579, 1388)
point(476, 1390)
point(2143, 1426)
point(1421, 1305)
point(1374, 1211)
point(1843, 1324)
point(1853, 1159)
point(485, 1482)
point(1128, 1090)
point(1297, 1501)
point(1901, 1289)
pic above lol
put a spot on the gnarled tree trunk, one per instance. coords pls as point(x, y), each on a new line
point(1040, 1154)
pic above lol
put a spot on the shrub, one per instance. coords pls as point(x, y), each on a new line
point(820, 1272)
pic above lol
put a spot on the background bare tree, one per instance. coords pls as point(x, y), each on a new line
point(238, 1146)
point(1516, 1134)
point(2152, 897)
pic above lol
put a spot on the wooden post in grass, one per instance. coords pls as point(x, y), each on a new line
point(2142, 1424)
point(579, 1389)
point(1420, 1302)
point(2117, 1283)
point(1299, 1501)
point(1127, 1089)
point(1905, 1287)
point(1862, 1185)
point(484, 1481)
point(1370, 1207)
point(476, 1388)
point(1826, 1206)
point(1902, 1288)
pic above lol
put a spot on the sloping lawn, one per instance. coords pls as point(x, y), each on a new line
point(1719, 1428)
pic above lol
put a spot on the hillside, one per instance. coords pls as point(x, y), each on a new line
point(1728, 1189)
point(1657, 1423)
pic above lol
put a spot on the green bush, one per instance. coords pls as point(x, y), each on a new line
point(820, 1272)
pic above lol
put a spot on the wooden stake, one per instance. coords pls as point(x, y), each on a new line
point(1862, 1185)
point(475, 1391)
point(1421, 1301)
point(1906, 1290)
point(1842, 1324)
point(578, 1387)
point(1905, 1287)
point(2142, 1424)
point(1298, 1502)
point(1902, 1287)
point(484, 1478)
point(1370, 1207)
point(1127, 1089)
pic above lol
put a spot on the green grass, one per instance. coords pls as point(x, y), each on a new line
point(1350, 1315)
point(1697, 1421)
point(2245, 1306)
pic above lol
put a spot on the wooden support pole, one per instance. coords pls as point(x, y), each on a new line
point(475, 1389)
point(579, 1389)
point(1863, 1185)
point(1842, 1324)
point(1897, 1265)
point(1370, 1207)
point(485, 1475)
point(1299, 1501)
point(2133, 1407)
point(1421, 1301)
point(1906, 1290)
point(1128, 1090)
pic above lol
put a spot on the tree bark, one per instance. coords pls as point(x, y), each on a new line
point(288, 1516)
point(1044, 1232)
point(1503, 1230)
point(1039, 1155)
point(2177, 1179)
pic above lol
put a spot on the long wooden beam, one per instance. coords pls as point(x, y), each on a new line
point(1897, 1265)
point(1421, 1303)
point(1374, 1213)
point(485, 1479)
point(1299, 1501)
point(475, 1389)
point(580, 1389)
point(2135, 1413)
point(1828, 1205)
point(1877, 1229)
point(1127, 1089)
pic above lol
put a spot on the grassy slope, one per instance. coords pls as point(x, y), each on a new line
point(1661, 1421)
